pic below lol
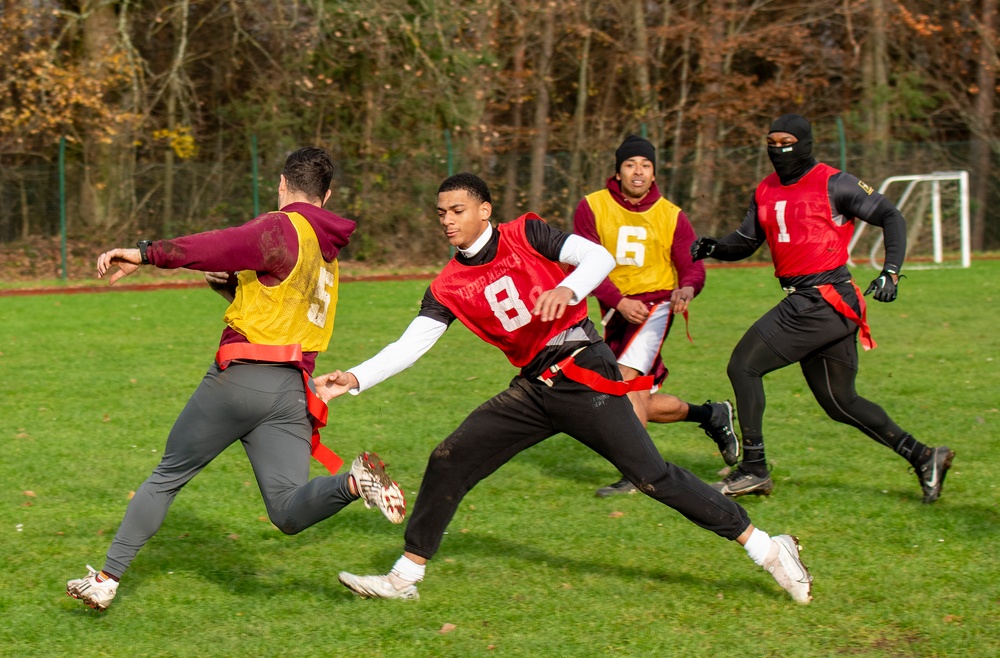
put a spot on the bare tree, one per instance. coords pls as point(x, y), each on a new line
point(982, 120)
point(540, 132)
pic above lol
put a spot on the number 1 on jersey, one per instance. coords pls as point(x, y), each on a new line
point(779, 216)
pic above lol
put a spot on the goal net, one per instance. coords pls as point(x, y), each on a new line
point(936, 208)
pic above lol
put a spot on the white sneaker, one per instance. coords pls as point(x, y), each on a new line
point(784, 564)
point(96, 594)
point(375, 487)
point(377, 587)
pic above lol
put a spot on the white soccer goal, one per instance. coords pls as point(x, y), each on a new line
point(935, 179)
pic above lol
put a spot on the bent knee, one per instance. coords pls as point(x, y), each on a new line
point(737, 369)
point(288, 526)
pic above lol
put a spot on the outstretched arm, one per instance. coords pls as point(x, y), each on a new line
point(739, 244)
point(127, 260)
point(394, 358)
point(334, 384)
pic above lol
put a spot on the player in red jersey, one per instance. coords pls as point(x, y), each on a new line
point(805, 212)
point(509, 286)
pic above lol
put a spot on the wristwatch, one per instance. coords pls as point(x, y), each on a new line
point(143, 245)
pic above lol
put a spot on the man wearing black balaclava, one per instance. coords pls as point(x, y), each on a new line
point(805, 212)
point(791, 156)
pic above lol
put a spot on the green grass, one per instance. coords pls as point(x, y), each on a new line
point(534, 564)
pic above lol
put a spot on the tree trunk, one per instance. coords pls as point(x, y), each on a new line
point(677, 148)
point(167, 214)
point(576, 181)
point(702, 203)
point(517, 116)
point(103, 178)
point(982, 128)
point(639, 51)
point(180, 22)
point(540, 136)
point(875, 81)
point(657, 132)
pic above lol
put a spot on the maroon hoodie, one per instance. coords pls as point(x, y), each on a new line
point(688, 273)
point(268, 245)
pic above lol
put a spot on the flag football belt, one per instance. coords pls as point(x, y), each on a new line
point(318, 411)
point(592, 380)
point(687, 322)
point(836, 300)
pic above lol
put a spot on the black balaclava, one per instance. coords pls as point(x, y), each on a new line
point(792, 162)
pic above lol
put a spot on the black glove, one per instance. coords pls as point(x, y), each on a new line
point(703, 248)
point(883, 287)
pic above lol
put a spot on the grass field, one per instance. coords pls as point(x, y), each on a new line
point(534, 564)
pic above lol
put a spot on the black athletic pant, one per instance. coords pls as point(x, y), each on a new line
point(529, 412)
point(804, 328)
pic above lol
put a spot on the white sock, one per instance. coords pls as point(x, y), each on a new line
point(758, 546)
point(407, 570)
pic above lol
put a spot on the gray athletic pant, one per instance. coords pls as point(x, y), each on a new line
point(263, 407)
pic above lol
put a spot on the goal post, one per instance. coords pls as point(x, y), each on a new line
point(912, 182)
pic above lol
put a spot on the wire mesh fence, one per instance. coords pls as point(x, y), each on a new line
point(393, 199)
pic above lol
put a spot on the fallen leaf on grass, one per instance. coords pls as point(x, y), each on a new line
point(447, 628)
point(615, 515)
point(29, 493)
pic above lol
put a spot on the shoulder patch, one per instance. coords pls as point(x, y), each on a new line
point(866, 187)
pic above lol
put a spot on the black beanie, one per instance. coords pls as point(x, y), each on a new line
point(634, 146)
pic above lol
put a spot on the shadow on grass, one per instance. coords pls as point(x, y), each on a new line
point(257, 561)
point(262, 565)
point(563, 458)
point(489, 546)
point(975, 522)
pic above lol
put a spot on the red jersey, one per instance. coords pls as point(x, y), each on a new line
point(494, 300)
point(798, 224)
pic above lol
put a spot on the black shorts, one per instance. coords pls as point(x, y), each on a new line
point(804, 326)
